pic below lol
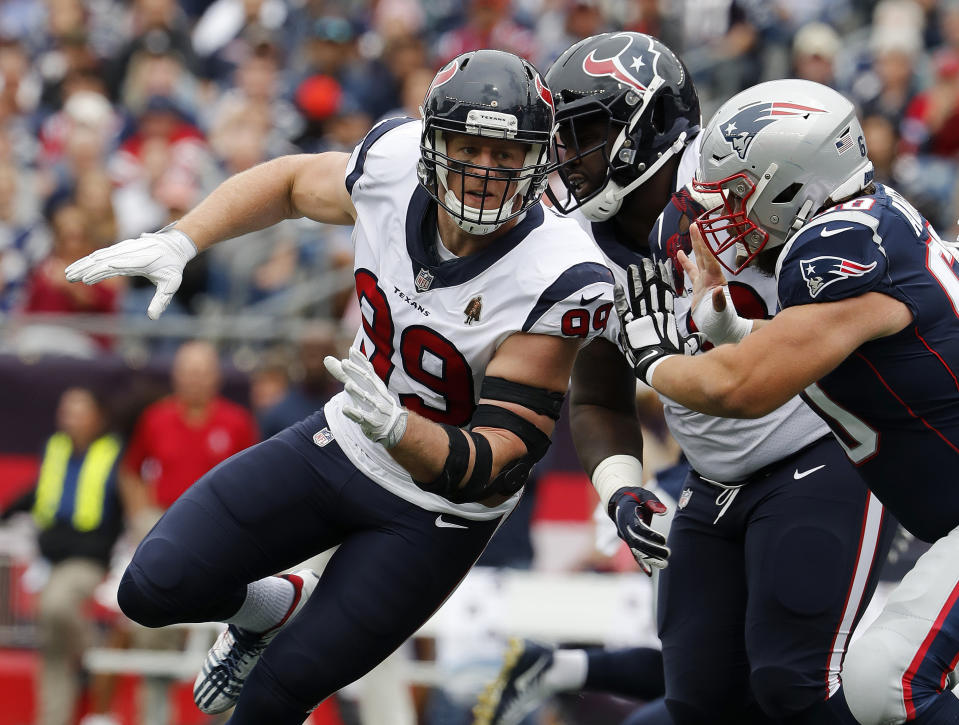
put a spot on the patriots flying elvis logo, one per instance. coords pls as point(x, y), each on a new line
point(740, 130)
point(820, 272)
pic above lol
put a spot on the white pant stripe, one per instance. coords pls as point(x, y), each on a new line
point(868, 541)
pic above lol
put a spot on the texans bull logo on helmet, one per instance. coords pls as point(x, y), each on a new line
point(741, 129)
point(631, 66)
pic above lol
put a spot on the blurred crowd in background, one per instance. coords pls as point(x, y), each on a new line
point(118, 116)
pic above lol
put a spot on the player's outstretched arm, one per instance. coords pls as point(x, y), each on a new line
point(310, 185)
point(459, 464)
point(711, 303)
point(609, 444)
point(794, 349)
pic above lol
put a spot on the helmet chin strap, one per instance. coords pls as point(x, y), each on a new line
point(607, 203)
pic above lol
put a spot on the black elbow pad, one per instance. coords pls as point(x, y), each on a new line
point(514, 474)
point(447, 484)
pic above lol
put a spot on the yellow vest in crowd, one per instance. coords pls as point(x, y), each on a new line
point(90, 496)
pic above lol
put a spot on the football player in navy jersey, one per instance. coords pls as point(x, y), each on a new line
point(475, 301)
point(868, 334)
point(768, 647)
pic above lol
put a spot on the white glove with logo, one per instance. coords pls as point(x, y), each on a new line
point(158, 256)
point(371, 405)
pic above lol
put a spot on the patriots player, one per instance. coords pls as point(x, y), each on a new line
point(868, 334)
point(769, 645)
point(475, 300)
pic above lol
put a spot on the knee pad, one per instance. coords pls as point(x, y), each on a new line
point(872, 679)
point(783, 691)
point(138, 600)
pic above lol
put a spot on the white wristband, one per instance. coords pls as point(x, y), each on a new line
point(648, 377)
point(614, 473)
point(186, 246)
point(720, 327)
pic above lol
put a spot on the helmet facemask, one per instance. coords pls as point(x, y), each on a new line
point(626, 167)
point(725, 223)
point(581, 148)
point(447, 178)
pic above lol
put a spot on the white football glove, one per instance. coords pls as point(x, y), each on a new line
point(158, 256)
point(371, 404)
point(716, 317)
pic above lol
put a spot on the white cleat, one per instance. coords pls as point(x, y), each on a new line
point(236, 651)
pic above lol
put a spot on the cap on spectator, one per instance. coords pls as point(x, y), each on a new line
point(319, 96)
point(161, 104)
point(88, 108)
point(904, 40)
point(816, 39)
point(333, 29)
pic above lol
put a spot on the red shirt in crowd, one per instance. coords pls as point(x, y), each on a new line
point(170, 453)
point(46, 292)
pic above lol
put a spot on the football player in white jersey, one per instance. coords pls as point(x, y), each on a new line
point(764, 583)
point(475, 301)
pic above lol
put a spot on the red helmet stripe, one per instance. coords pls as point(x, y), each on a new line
point(777, 106)
point(544, 92)
point(443, 76)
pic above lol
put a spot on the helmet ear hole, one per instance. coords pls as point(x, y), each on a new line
point(658, 116)
point(788, 194)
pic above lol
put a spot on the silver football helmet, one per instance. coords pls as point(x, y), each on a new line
point(772, 156)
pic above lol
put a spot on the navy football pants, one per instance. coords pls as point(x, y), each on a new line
point(757, 606)
point(272, 506)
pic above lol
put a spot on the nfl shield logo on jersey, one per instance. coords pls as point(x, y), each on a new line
point(423, 280)
point(323, 437)
point(684, 497)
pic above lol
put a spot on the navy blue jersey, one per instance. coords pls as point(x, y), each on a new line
point(894, 402)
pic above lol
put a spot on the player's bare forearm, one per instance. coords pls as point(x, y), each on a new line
point(602, 406)
point(288, 187)
point(777, 362)
point(424, 447)
point(539, 360)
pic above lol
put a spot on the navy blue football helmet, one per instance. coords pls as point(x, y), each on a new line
point(494, 94)
point(642, 92)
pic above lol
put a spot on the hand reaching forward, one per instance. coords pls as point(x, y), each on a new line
point(371, 405)
point(158, 256)
point(632, 509)
point(648, 332)
point(712, 306)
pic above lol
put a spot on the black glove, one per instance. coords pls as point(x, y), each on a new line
point(632, 509)
point(648, 330)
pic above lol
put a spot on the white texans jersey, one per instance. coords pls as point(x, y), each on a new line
point(430, 326)
point(727, 450)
